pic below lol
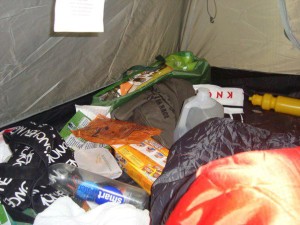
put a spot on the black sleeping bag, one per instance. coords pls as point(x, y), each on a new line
point(213, 139)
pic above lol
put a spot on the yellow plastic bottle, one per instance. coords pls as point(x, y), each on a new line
point(280, 104)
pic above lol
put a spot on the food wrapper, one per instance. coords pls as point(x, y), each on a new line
point(110, 131)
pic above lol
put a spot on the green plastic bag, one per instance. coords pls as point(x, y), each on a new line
point(183, 65)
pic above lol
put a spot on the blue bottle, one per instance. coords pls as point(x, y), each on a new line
point(86, 185)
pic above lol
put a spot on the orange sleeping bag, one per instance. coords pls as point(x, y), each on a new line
point(251, 188)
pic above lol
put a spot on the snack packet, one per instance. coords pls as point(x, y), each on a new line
point(110, 131)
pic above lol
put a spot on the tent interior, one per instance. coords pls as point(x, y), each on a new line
point(41, 69)
point(253, 45)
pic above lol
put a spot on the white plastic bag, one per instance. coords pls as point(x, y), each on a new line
point(99, 161)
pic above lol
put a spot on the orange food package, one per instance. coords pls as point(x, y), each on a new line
point(110, 131)
point(143, 162)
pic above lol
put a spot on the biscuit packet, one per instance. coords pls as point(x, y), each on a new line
point(143, 162)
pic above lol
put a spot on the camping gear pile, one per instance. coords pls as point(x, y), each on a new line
point(210, 174)
point(149, 112)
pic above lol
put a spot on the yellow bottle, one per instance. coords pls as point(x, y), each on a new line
point(279, 104)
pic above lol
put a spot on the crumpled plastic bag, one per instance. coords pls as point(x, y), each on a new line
point(111, 132)
point(65, 211)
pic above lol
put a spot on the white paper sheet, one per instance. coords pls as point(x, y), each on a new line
point(91, 111)
point(79, 16)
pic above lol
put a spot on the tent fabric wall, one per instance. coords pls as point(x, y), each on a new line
point(40, 69)
point(246, 35)
point(289, 10)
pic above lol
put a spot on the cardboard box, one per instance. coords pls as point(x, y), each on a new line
point(143, 162)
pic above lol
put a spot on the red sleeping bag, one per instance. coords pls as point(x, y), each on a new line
point(257, 187)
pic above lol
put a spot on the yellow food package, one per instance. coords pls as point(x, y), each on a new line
point(143, 162)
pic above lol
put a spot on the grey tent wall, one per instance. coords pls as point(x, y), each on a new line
point(40, 69)
point(246, 35)
point(289, 11)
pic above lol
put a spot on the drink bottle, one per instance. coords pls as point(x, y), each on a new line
point(89, 186)
point(280, 104)
point(195, 110)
